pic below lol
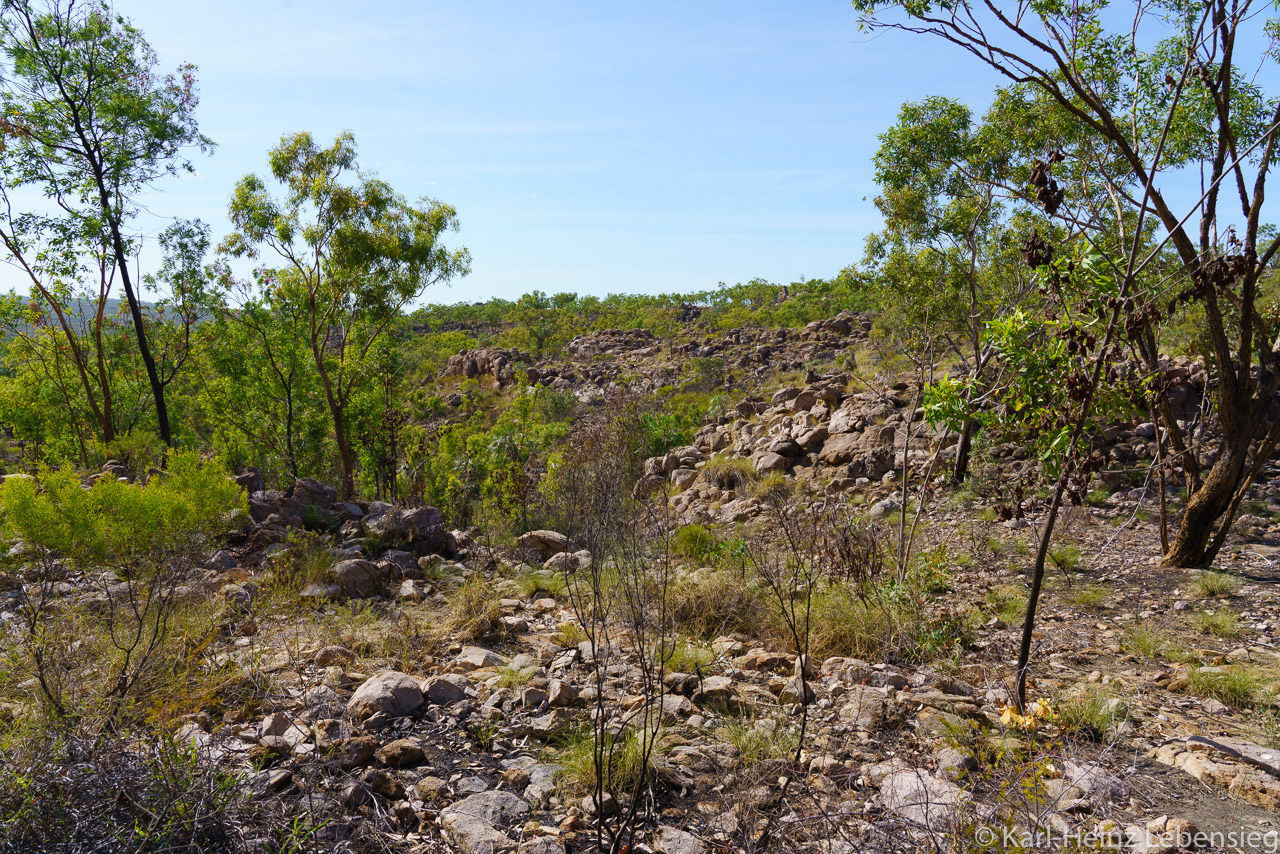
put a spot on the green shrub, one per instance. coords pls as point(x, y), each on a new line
point(695, 542)
point(664, 431)
point(151, 538)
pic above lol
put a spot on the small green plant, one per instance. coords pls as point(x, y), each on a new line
point(309, 560)
point(757, 740)
point(1009, 602)
point(1213, 585)
point(623, 763)
point(696, 542)
point(474, 610)
point(484, 732)
point(540, 583)
point(1255, 507)
point(683, 656)
point(729, 472)
point(709, 603)
point(1066, 556)
point(511, 676)
point(318, 520)
point(773, 488)
point(1235, 686)
point(437, 571)
point(1091, 596)
point(1092, 713)
point(1097, 497)
point(1145, 641)
point(1221, 624)
point(569, 635)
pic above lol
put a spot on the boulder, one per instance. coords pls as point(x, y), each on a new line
point(545, 543)
point(359, 579)
point(402, 753)
point(473, 824)
point(446, 690)
point(477, 658)
point(767, 461)
point(393, 693)
point(673, 840)
point(919, 797)
point(840, 449)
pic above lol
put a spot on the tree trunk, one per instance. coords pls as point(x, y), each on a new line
point(963, 451)
point(1210, 503)
point(344, 451)
point(144, 348)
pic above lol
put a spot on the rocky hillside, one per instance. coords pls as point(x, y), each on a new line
point(752, 677)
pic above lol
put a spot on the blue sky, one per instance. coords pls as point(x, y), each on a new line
point(593, 147)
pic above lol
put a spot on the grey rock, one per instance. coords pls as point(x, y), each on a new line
point(447, 689)
point(545, 543)
point(390, 692)
point(473, 824)
point(673, 840)
point(919, 797)
point(359, 579)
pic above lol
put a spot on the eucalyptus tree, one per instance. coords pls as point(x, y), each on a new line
point(259, 391)
point(358, 253)
point(944, 256)
point(1135, 107)
point(89, 123)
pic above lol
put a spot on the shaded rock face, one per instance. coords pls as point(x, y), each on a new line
point(486, 362)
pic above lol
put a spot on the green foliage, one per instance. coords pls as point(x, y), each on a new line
point(1235, 686)
point(1214, 585)
point(1009, 602)
point(1091, 713)
point(474, 610)
point(369, 253)
point(696, 542)
point(682, 656)
point(757, 740)
point(713, 602)
point(130, 528)
point(623, 766)
point(729, 472)
point(1222, 624)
